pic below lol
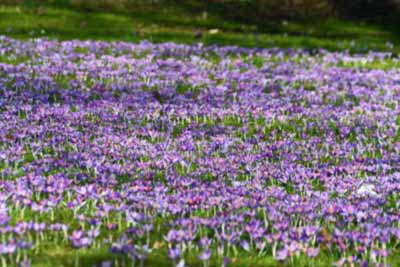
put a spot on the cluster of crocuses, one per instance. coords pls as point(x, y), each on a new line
point(201, 154)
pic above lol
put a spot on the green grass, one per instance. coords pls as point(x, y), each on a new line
point(176, 23)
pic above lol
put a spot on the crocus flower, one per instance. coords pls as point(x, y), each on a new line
point(174, 253)
point(205, 255)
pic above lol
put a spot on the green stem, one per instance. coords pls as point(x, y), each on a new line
point(3, 262)
point(77, 259)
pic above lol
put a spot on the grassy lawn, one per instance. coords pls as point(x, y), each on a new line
point(178, 23)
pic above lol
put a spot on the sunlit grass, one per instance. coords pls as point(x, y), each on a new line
point(173, 24)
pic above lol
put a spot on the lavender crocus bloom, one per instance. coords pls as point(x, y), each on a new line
point(205, 255)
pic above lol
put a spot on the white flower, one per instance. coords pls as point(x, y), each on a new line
point(367, 189)
point(181, 263)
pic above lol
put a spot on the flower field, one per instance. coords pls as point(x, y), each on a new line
point(121, 154)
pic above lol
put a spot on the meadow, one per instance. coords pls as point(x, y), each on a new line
point(145, 154)
point(193, 21)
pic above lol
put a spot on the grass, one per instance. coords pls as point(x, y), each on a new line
point(177, 23)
